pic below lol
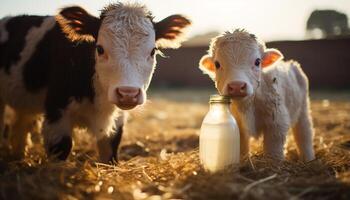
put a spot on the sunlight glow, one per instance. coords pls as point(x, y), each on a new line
point(269, 19)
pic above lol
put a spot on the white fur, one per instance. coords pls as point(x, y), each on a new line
point(277, 99)
point(128, 37)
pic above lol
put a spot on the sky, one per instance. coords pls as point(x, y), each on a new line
point(268, 19)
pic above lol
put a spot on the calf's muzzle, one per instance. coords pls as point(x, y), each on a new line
point(128, 97)
point(237, 89)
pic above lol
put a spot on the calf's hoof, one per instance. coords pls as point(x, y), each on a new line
point(274, 157)
point(61, 149)
point(108, 161)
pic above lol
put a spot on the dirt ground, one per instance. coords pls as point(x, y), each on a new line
point(159, 159)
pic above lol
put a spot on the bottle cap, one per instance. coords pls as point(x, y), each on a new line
point(216, 98)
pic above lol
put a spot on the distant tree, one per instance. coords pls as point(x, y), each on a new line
point(329, 22)
point(201, 39)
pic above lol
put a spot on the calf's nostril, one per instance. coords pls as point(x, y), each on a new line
point(118, 93)
point(237, 88)
point(243, 87)
point(231, 86)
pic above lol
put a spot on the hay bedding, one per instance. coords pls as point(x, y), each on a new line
point(159, 160)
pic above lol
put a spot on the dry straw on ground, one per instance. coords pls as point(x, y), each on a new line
point(159, 160)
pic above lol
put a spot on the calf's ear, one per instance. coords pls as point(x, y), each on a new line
point(206, 64)
point(169, 31)
point(270, 57)
point(78, 24)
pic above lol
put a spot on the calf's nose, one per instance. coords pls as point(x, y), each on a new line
point(127, 92)
point(128, 97)
point(237, 89)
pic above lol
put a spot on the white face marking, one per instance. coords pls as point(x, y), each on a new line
point(237, 64)
point(231, 63)
point(3, 32)
point(126, 60)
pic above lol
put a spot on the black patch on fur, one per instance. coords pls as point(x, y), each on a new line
point(17, 28)
point(64, 68)
point(62, 149)
point(115, 141)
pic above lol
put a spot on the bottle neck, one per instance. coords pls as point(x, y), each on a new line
point(218, 113)
point(220, 107)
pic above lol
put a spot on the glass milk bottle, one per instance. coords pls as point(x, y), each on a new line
point(219, 136)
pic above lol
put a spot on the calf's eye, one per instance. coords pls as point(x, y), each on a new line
point(100, 50)
point(257, 62)
point(153, 51)
point(217, 65)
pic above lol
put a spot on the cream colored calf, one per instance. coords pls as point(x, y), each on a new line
point(270, 96)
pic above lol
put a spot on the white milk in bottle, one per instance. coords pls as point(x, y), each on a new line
point(219, 136)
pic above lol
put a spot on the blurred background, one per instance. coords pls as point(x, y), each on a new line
point(316, 33)
point(159, 150)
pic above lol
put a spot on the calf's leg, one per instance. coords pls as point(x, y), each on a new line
point(275, 135)
point(18, 134)
point(274, 141)
point(243, 135)
point(244, 144)
point(57, 138)
point(303, 135)
point(108, 146)
point(275, 132)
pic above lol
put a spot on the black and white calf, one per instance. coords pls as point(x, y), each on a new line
point(80, 70)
